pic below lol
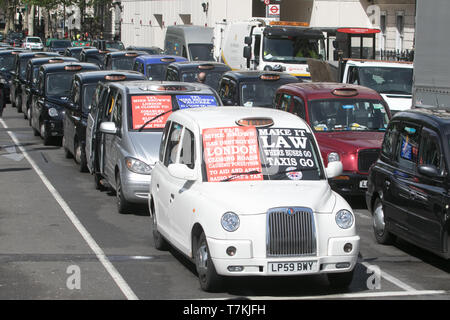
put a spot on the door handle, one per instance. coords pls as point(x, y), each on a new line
point(172, 197)
point(387, 183)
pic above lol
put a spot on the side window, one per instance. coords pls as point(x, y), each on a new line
point(141, 68)
point(136, 66)
point(184, 54)
point(187, 153)
point(173, 143)
point(276, 101)
point(285, 102)
point(41, 82)
point(75, 92)
point(407, 146)
point(390, 137)
point(164, 140)
point(298, 108)
point(233, 94)
point(223, 89)
point(117, 112)
point(430, 150)
point(353, 75)
point(109, 105)
point(171, 75)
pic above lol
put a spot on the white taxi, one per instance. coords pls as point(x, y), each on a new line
point(244, 192)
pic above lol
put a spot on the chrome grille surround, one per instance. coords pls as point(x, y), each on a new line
point(290, 231)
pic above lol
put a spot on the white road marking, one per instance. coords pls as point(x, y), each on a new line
point(375, 294)
point(12, 154)
point(392, 279)
point(121, 283)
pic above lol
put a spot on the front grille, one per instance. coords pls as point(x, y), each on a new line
point(291, 232)
point(366, 158)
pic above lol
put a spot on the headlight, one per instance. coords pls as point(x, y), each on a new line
point(333, 156)
point(138, 166)
point(52, 112)
point(344, 219)
point(230, 221)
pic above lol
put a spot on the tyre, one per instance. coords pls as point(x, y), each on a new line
point(123, 206)
point(97, 183)
point(379, 226)
point(80, 157)
point(340, 280)
point(67, 153)
point(2, 99)
point(19, 103)
point(44, 134)
point(29, 116)
point(158, 240)
point(209, 280)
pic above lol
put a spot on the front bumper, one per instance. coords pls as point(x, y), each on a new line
point(349, 184)
point(135, 187)
point(336, 259)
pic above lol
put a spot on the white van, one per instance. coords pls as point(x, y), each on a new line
point(195, 43)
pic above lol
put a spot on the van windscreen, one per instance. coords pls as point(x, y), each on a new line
point(201, 52)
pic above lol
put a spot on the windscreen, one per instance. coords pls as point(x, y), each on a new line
point(122, 63)
point(156, 72)
point(115, 45)
point(88, 93)
point(58, 84)
point(347, 114)
point(259, 93)
point(6, 62)
point(146, 107)
point(60, 44)
point(34, 40)
point(212, 77)
point(23, 68)
point(291, 49)
point(201, 52)
point(387, 80)
point(256, 154)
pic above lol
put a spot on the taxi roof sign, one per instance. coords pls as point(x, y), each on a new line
point(345, 92)
point(255, 122)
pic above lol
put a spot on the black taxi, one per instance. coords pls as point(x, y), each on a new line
point(94, 55)
point(408, 186)
point(74, 52)
point(121, 60)
point(191, 71)
point(18, 80)
point(82, 90)
point(6, 70)
point(31, 75)
point(252, 88)
point(47, 110)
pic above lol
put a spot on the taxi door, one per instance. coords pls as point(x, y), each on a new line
point(107, 145)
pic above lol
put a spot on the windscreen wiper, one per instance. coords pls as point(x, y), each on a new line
point(240, 174)
point(152, 119)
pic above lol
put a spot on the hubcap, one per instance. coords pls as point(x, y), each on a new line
point(202, 258)
point(43, 131)
point(78, 154)
point(378, 220)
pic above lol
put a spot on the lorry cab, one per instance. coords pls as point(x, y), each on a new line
point(392, 79)
point(47, 110)
point(31, 76)
point(154, 66)
point(125, 126)
point(261, 45)
point(349, 122)
point(252, 88)
point(121, 60)
point(20, 64)
point(194, 43)
point(190, 70)
point(76, 116)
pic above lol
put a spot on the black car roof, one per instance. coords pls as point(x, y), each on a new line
point(435, 117)
point(60, 66)
point(95, 76)
point(37, 61)
point(256, 74)
point(3, 52)
point(39, 54)
point(194, 65)
point(78, 48)
point(122, 53)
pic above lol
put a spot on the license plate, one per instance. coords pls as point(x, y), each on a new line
point(363, 184)
point(293, 267)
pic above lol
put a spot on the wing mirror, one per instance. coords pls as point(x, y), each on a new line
point(181, 171)
point(429, 171)
point(334, 169)
point(108, 127)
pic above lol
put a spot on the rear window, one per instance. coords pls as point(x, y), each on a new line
point(122, 63)
point(58, 84)
point(143, 108)
point(60, 44)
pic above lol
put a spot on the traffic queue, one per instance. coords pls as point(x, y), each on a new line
point(244, 172)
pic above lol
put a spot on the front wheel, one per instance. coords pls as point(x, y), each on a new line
point(209, 280)
point(44, 134)
point(123, 206)
point(379, 225)
point(340, 280)
point(80, 158)
point(159, 241)
point(19, 102)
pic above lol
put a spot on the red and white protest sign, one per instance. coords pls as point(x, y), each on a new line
point(231, 151)
point(145, 108)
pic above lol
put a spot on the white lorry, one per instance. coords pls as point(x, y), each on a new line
point(261, 44)
point(392, 79)
point(431, 85)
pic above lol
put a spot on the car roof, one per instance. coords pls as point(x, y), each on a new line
point(10, 51)
point(436, 117)
point(380, 63)
point(324, 90)
point(221, 117)
point(50, 67)
point(122, 53)
point(256, 74)
point(99, 75)
point(36, 61)
point(194, 65)
point(79, 48)
point(150, 87)
point(156, 58)
point(39, 54)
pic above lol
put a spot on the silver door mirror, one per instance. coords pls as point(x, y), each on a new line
point(181, 171)
point(334, 169)
point(108, 127)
